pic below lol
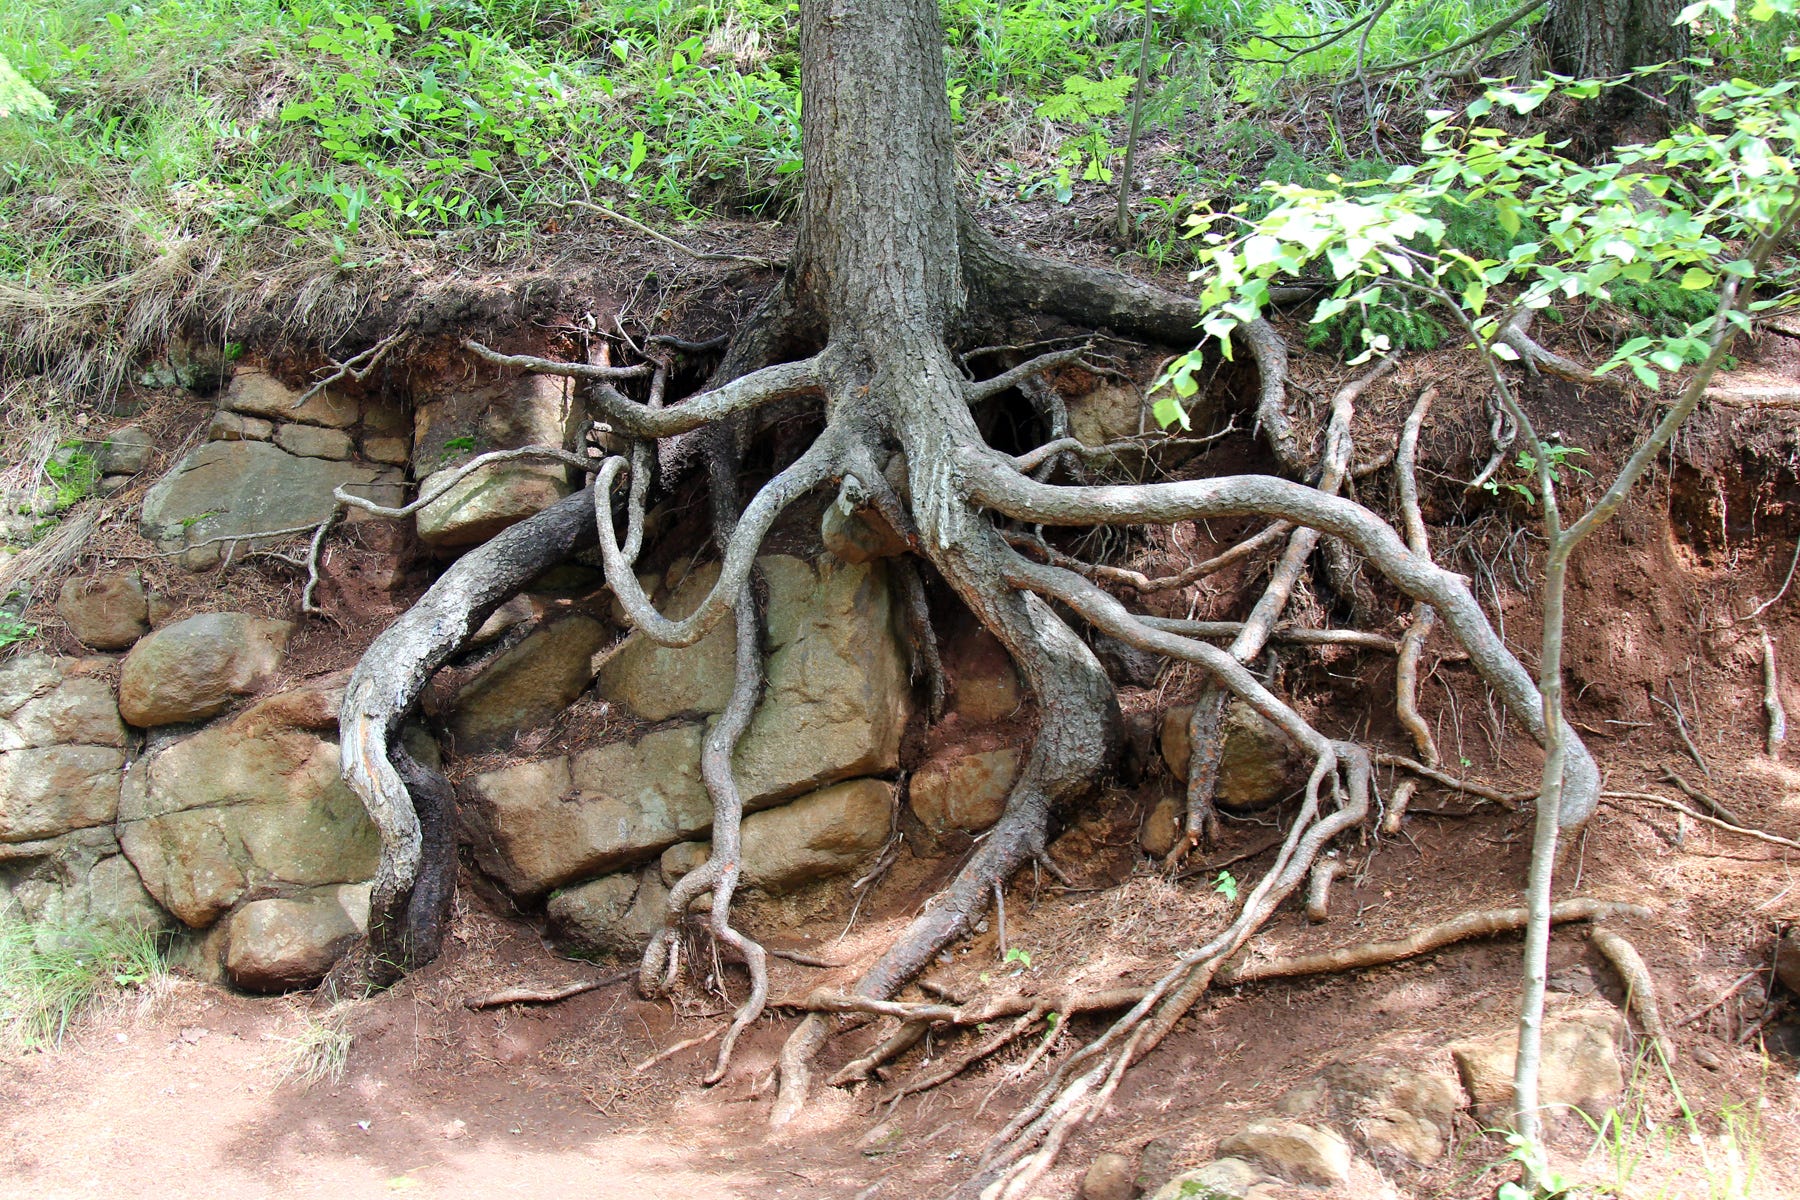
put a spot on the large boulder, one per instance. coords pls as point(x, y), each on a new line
point(48, 702)
point(1579, 1068)
point(60, 747)
point(247, 807)
point(1258, 767)
point(828, 833)
point(107, 612)
point(964, 791)
point(288, 942)
point(529, 683)
point(450, 429)
point(192, 669)
point(237, 490)
point(539, 825)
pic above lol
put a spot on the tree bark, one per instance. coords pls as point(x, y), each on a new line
point(1604, 39)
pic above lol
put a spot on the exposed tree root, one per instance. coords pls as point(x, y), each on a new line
point(1318, 888)
point(1728, 827)
point(529, 995)
point(1640, 988)
point(1517, 335)
point(1506, 800)
point(1772, 698)
point(1412, 643)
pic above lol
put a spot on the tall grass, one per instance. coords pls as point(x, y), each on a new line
point(51, 975)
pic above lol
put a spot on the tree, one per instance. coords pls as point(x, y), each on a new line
point(888, 276)
point(1601, 39)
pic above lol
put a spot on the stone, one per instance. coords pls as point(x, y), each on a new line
point(382, 417)
point(966, 791)
point(259, 394)
point(543, 824)
point(615, 914)
point(243, 807)
point(309, 441)
point(503, 620)
point(987, 686)
point(1579, 1069)
point(79, 878)
point(282, 943)
point(235, 427)
point(1258, 767)
point(107, 612)
point(112, 485)
point(50, 702)
point(494, 497)
point(50, 790)
point(1163, 826)
point(448, 430)
point(1389, 1108)
point(529, 683)
point(1221, 1179)
point(860, 536)
point(1294, 1150)
point(392, 450)
point(241, 489)
point(839, 692)
point(828, 833)
point(126, 451)
point(659, 682)
point(1156, 1162)
point(1109, 1177)
point(192, 669)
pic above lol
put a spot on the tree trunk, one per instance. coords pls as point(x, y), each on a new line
point(1604, 39)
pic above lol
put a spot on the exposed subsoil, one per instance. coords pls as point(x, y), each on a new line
point(186, 1096)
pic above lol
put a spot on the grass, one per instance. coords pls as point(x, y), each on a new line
point(211, 160)
point(51, 975)
point(320, 1052)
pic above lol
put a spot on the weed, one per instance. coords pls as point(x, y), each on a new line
point(320, 1052)
point(50, 975)
point(15, 630)
point(1227, 886)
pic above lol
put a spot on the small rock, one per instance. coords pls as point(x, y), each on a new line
point(885, 1138)
point(126, 451)
point(1300, 1152)
point(309, 441)
point(107, 612)
point(112, 485)
point(965, 792)
point(615, 914)
point(391, 450)
point(1156, 1163)
point(456, 1130)
point(51, 790)
point(235, 427)
point(1580, 1067)
point(194, 668)
point(1703, 1056)
point(1389, 1108)
point(1162, 826)
point(1109, 1177)
point(1221, 1179)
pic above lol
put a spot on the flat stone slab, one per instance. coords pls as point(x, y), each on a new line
point(241, 489)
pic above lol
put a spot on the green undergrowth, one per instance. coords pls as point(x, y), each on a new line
point(51, 975)
point(199, 149)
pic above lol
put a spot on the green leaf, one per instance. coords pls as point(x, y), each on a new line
point(1695, 279)
point(1168, 411)
point(1646, 374)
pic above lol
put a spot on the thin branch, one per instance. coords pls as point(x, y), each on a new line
point(978, 390)
point(357, 367)
point(767, 264)
point(1740, 830)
